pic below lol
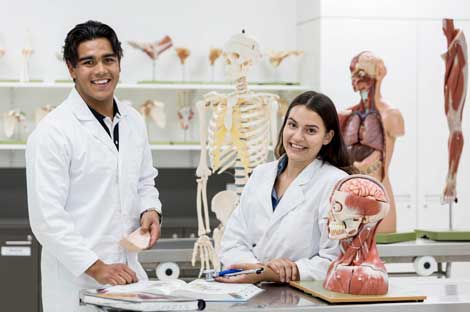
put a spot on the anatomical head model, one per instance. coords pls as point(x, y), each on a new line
point(371, 127)
point(241, 125)
point(455, 91)
point(358, 203)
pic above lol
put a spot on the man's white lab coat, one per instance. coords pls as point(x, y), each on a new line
point(84, 195)
point(297, 229)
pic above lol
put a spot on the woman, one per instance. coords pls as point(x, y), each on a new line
point(280, 224)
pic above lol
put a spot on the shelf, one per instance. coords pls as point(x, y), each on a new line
point(153, 147)
point(160, 86)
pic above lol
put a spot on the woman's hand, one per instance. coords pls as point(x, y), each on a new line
point(267, 275)
point(286, 269)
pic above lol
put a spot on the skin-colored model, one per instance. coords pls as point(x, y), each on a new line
point(153, 50)
point(371, 127)
point(358, 204)
point(241, 126)
point(455, 91)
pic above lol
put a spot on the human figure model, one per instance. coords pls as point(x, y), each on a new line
point(358, 204)
point(153, 50)
point(241, 126)
point(455, 91)
point(371, 127)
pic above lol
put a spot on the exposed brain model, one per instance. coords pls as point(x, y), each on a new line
point(455, 91)
point(371, 127)
point(358, 203)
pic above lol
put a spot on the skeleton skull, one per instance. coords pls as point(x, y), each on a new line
point(240, 52)
point(355, 200)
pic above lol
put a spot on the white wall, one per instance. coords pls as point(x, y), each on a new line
point(196, 24)
point(407, 34)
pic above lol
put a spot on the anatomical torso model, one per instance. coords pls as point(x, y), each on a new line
point(358, 204)
point(240, 128)
point(371, 127)
point(455, 91)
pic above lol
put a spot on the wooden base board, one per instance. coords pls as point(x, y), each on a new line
point(395, 294)
point(444, 235)
point(389, 238)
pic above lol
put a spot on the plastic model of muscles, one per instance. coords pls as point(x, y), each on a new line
point(371, 127)
point(357, 205)
point(240, 127)
point(455, 91)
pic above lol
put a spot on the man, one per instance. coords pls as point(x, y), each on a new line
point(90, 176)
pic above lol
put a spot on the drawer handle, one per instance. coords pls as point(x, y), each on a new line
point(18, 243)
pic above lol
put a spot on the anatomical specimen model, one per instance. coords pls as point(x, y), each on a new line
point(153, 50)
point(156, 111)
point(358, 203)
point(276, 58)
point(371, 127)
point(455, 91)
point(41, 112)
point(13, 120)
point(240, 128)
point(26, 53)
point(183, 54)
point(214, 54)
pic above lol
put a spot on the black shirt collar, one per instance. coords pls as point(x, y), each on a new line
point(100, 116)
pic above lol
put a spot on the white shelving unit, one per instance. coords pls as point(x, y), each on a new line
point(159, 86)
point(17, 86)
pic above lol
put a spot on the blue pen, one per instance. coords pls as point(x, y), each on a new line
point(234, 272)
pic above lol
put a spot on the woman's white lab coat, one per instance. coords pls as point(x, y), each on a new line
point(297, 229)
point(84, 195)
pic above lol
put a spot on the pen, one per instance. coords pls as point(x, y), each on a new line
point(234, 272)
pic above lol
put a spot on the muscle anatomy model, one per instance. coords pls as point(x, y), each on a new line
point(371, 127)
point(455, 91)
point(241, 126)
point(357, 206)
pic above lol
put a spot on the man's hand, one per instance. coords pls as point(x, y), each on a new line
point(286, 269)
point(149, 222)
point(267, 275)
point(112, 274)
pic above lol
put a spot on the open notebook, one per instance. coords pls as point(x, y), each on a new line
point(197, 289)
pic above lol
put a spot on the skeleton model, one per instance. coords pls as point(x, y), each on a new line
point(153, 50)
point(357, 205)
point(239, 135)
point(371, 127)
point(14, 123)
point(455, 91)
point(155, 110)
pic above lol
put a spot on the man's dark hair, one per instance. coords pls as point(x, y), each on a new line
point(88, 31)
